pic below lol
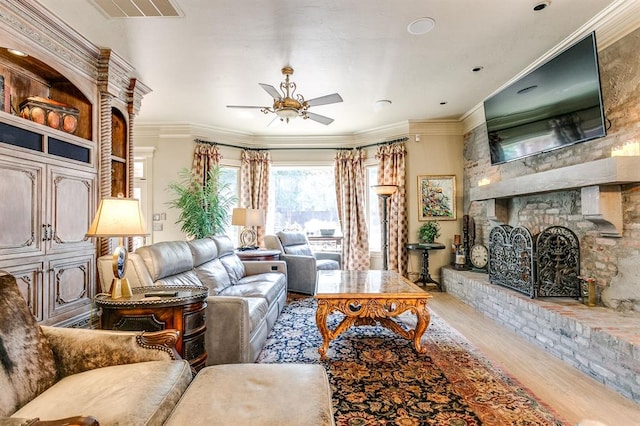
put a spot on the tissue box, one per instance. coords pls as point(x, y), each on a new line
point(51, 113)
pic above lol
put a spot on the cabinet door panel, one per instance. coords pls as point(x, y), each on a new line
point(72, 198)
point(29, 278)
point(70, 286)
point(20, 208)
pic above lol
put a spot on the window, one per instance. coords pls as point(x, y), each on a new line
point(229, 176)
point(142, 184)
point(373, 210)
point(302, 198)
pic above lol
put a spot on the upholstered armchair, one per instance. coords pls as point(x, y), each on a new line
point(302, 262)
point(79, 377)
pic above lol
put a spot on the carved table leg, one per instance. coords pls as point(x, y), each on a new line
point(423, 317)
point(321, 321)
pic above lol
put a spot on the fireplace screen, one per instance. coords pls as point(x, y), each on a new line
point(558, 263)
point(550, 268)
point(511, 258)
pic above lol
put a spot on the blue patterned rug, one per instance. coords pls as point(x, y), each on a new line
point(377, 378)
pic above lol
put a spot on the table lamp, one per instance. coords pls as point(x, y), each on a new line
point(118, 217)
point(384, 192)
point(248, 218)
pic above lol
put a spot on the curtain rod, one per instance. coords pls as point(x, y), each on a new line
point(404, 139)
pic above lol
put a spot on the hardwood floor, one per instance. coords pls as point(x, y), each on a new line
point(571, 393)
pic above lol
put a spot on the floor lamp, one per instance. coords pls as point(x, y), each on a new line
point(384, 192)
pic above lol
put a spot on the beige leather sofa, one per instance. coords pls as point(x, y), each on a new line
point(245, 298)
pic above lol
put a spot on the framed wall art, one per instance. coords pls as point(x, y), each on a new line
point(436, 197)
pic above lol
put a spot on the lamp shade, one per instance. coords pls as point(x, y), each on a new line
point(118, 217)
point(247, 217)
point(385, 189)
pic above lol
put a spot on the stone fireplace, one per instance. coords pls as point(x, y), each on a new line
point(581, 187)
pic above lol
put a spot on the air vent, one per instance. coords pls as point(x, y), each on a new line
point(138, 8)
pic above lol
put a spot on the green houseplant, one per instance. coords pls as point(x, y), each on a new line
point(429, 231)
point(204, 209)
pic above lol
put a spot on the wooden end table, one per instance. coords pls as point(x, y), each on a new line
point(367, 298)
point(425, 276)
point(260, 254)
point(143, 311)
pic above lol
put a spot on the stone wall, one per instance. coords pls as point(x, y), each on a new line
point(609, 260)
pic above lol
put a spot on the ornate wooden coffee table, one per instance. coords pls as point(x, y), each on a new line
point(367, 298)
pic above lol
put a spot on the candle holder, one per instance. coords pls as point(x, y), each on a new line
point(588, 290)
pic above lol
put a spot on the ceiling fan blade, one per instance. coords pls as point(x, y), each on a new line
point(275, 122)
point(245, 106)
point(324, 100)
point(319, 118)
point(271, 91)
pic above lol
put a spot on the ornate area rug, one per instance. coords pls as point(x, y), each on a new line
point(377, 378)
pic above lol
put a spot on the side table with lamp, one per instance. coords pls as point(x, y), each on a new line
point(146, 309)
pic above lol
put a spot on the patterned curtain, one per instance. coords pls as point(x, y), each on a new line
point(205, 157)
point(350, 195)
point(391, 171)
point(254, 184)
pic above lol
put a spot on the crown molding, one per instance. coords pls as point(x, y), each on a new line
point(180, 130)
point(436, 127)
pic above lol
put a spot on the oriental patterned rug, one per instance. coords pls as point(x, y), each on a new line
point(377, 378)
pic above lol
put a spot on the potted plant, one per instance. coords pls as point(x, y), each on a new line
point(204, 209)
point(429, 231)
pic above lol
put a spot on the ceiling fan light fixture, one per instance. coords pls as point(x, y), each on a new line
point(287, 113)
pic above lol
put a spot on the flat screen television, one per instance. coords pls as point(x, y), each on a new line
point(557, 104)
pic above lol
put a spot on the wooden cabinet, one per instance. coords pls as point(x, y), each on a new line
point(47, 207)
point(52, 176)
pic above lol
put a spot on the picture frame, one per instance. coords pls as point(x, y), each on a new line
point(436, 197)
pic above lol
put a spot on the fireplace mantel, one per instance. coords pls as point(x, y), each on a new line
point(599, 182)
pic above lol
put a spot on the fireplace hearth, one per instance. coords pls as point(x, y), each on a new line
point(547, 266)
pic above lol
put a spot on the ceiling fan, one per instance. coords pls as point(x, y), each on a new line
point(288, 105)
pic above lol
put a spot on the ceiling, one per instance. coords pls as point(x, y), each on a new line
point(217, 52)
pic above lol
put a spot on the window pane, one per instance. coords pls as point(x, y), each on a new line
point(138, 170)
point(373, 216)
point(302, 198)
point(229, 177)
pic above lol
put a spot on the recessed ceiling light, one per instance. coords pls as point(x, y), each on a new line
point(541, 6)
point(421, 26)
point(478, 68)
point(443, 103)
point(17, 52)
point(381, 104)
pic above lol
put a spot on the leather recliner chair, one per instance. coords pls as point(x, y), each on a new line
point(302, 262)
